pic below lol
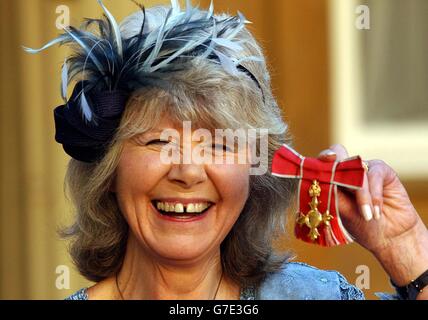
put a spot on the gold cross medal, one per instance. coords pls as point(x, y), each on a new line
point(318, 219)
point(314, 218)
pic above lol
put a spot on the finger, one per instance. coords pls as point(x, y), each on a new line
point(376, 176)
point(341, 154)
point(363, 196)
point(340, 150)
point(327, 155)
point(364, 200)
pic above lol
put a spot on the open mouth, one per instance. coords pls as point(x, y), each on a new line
point(179, 210)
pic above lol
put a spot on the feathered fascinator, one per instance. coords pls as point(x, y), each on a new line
point(109, 65)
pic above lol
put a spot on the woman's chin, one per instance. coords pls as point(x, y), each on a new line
point(182, 248)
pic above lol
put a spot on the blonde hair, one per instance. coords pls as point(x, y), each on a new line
point(204, 93)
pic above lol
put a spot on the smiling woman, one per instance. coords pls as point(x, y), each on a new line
point(129, 199)
point(150, 229)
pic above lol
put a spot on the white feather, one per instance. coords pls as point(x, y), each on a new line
point(187, 47)
point(64, 81)
point(227, 44)
point(188, 9)
point(251, 58)
point(88, 51)
point(84, 105)
point(175, 4)
point(242, 18)
point(232, 34)
point(227, 63)
point(210, 10)
point(115, 29)
point(49, 44)
point(155, 51)
point(213, 36)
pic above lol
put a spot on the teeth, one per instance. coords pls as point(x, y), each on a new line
point(190, 207)
point(179, 207)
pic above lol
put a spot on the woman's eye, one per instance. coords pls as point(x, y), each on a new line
point(223, 147)
point(157, 141)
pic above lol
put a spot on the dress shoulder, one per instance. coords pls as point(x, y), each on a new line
point(82, 294)
point(294, 281)
point(300, 281)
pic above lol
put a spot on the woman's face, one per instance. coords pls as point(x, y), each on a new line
point(144, 183)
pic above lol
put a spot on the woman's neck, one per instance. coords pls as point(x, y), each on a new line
point(145, 277)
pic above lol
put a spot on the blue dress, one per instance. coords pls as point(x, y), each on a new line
point(295, 281)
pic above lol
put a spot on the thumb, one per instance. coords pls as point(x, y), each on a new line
point(327, 155)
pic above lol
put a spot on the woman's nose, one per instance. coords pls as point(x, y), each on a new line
point(187, 175)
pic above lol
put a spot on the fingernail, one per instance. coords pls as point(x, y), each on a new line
point(377, 212)
point(367, 212)
point(329, 153)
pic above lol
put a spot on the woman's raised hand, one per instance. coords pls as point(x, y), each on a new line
point(382, 219)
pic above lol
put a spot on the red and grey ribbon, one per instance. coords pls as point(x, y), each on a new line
point(348, 173)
